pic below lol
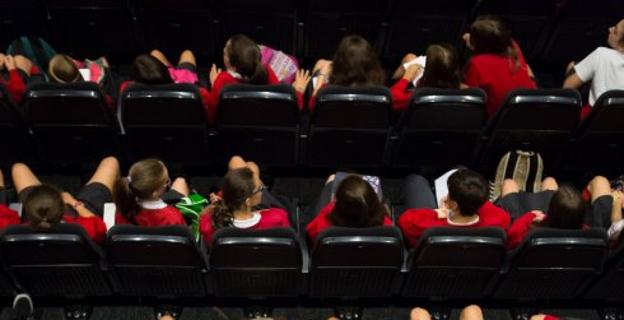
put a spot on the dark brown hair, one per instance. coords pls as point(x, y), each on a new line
point(442, 68)
point(149, 70)
point(490, 35)
point(144, 178)
point(62, 69)
point(244, 55)
point(357, 205)
point(238, 185)
point(469, 189)
point(44, 207)
point(355, 64)
point(566, 209)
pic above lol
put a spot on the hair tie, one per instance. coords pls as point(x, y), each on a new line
point(129, 179)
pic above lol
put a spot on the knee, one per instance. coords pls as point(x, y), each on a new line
point(19, 168)
point(111, 162)
point(156, 52)
point(409, 57)
point(21, 59)
point(510, 184)
point(471, 312)
point(600, 181)
point(236, 162)
point(538, 317)
point(180, 181)
point(187, 53)
point(419, 314)
point(549, 184)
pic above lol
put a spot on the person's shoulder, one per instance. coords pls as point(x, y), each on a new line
point(418, 215)
point(273, 212)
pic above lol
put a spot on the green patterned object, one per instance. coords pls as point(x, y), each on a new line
point(191, 208)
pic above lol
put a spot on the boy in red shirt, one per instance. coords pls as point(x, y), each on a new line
point(466, 206)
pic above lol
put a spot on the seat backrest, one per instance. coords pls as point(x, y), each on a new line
point(554, 264)
point(541, 120)
point(440, 127)
point(258, 122)
point(455, 263)
point(71, 121)
point(12, 124)
point(356, 262)
point(164, 120)
point(62, 263)
point(256, 263)
point(156, 261)
point(610, 284)
point(350, 126)
point(601, 133)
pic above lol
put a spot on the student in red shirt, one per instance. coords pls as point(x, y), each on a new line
point(242, 60)
point(240, 193)
point(355, 205)
point(466, 206)
point(148, 69)
point(441, 71)
point(18, 71)
point(44, 206)
point(498, 65)
point(354, 64)
point(140, 196)
point(565, 211)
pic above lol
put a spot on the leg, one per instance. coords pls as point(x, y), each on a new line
point(509, 186)
point(106, 173)
point(599, 186)
point(471, 312)
point(418, 193)
point(550, 184)
point(23, 177)
point(180, 185)
point(160, 56)
point(236, 162)
point(419, 314)
point(187, 56)
point(23, 63)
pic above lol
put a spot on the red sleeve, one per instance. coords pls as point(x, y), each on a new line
point(16, 86)
point(472, 78)
point(121, 219)
point(311, 103)
point(124, 85)
point(319, 223)
point(400, 95)
point(211, 99)
point(300, 103)
point(271, 77)
point(110, 103)
point(519, 229)
point(94, 226)
point(8, 217)
point(205, 97)
point(494, 216)
point(284, 221)
point(414, 222)
point(205, 227)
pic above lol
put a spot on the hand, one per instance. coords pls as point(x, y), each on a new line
point(326, 69)
point(570, 66)
point(539, 216)
point(466, 38)
point(68, 199)
point(412, 72)
point(618, 198)
point(302, 78)
point(2, 56)
point(442, 213)
point(9, 62)
point(214, 72)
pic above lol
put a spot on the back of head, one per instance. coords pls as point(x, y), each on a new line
point(442, 68)
point(566, 209)
point(355, 64)
point(244, 55)
point(43, 207)
point(238, 186)
point(489, 34)
point(62, 69)
point(469, 189)
point(357, 205)
point(149, 70)
point(145, 179)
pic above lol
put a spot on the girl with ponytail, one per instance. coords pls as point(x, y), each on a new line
point(355, 205)
point(139, 196)
point(243, 64)
point(45, 206)
point(498, 65)
point(240, 192)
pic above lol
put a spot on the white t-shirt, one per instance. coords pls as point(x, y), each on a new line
point(604, 68)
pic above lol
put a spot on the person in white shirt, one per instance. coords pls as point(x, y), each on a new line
point(604, 67)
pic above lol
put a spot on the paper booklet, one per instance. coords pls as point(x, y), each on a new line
point(441, 186)
point(422, 61)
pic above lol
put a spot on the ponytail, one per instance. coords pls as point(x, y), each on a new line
point(125, 199)
point(259, 76)
point(222, 215)
point(43, 207)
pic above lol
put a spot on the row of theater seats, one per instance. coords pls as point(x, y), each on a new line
point(344, 263)
point(554, 30)
point(70, 123)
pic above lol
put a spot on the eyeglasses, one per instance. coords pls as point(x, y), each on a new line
point(259, 189)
